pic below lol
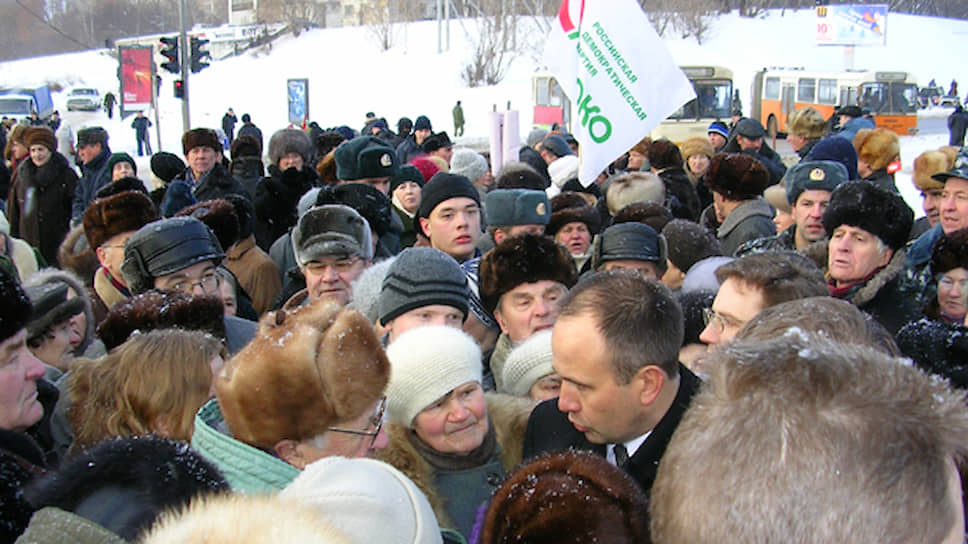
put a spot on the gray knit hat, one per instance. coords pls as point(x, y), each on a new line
point(468, 163)
point(419, 277)
point(508, 207)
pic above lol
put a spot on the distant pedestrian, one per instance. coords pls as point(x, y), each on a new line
point(249, 128)
point(140, 126)
point(109, 102)
point(458, 120)
point(957, 123)
point(228, 125)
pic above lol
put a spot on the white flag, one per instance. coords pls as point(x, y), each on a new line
point(619, 76)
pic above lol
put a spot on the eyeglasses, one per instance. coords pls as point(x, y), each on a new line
point(718, 321)
point(375, 421)
point(944, 282)
point(340, 265)
point(209, 282)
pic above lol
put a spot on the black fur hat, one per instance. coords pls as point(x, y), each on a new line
point(866, 206)
point(523, 259)
point(571, 207)
point(737, 176)
point(220, 216)
point(162, 310)
point(937, 347)
point(152, 475)
point(16, 306)
point(366, 199)
point(950, 252)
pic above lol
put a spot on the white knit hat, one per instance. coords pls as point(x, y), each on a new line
point(366, 500)
point(468, 163)
point(426, 363)
point(528, 363)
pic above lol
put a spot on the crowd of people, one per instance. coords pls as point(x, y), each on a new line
point(360, 336)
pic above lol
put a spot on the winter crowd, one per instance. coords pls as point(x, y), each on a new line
point(365, 336)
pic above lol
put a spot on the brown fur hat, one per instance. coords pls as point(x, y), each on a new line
point(807, 123)
point(950, 252)
point(696, 146)
point(220, 216)
point(76, 255)
point(523, 259)
point(200, 137)
point(950, 151)
point(304, 371)
point(642, 147)
point(123, 212)
point(583, 498)
point(162, 310)
point(326, 168)
point(570, 207)
point(664, 154)
point(40, 136)
point(737, 176)
point(928, 164)
point(878, 147)
point(245, 146)
point(653, 214)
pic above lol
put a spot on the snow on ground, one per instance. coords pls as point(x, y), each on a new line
point(349, 75)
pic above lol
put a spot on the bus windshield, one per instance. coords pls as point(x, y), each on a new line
point(884, 97)
point(15, 106)
point(713, 98)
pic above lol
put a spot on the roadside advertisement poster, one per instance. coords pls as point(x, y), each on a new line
point(297, 92)
point(852, 24)
point(620, 76)
point(136, 78)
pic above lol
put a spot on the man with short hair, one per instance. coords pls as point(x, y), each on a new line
point(205, 178)
point(333, 244)
point(623, 391)
point(180, 254)
point(755, 282)
point(450, 215)
point(808, 187)
point(93, 152)
point(808, 439)
point(368, 160)
point(747, 137)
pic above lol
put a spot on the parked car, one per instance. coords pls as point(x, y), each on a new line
point(83, 98)
point(950, 100)
point(929, 96)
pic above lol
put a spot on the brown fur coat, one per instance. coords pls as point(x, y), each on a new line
point(508, 414)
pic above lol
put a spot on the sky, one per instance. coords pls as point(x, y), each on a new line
point(349, 75)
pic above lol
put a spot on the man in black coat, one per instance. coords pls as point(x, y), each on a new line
point(616, 346)
point(957, 124)
point(228, 125)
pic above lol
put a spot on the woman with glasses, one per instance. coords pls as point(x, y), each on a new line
point(452, 440)
point(949, 263)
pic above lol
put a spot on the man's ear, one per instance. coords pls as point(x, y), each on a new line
point(288, 451)
point(424, 226)
point(650, 380)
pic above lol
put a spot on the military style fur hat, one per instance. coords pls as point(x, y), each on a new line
point(877, 147)
point(305, 371)
point(365, 157)
point(162, 310)
point(737, 176)
point(200, 137)
point(289, 140)
point(571, 207)
point(813, 176)
point(807, 123)
point(123, 212)
point(866, 206)
point(523, 259)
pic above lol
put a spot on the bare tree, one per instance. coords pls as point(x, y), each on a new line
point(378, 17)
point(297, 14)
point(497, 27)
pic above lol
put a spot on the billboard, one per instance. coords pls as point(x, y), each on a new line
point(297, 94)
point(136, 77)
point(852, 24)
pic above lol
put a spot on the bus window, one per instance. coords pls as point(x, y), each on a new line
point(556, 93)
point(827, 91)
point(904, 97)
point(874, 96)
point(772, 88)
point(714, 97)
point(541, 91)
point(806, 89)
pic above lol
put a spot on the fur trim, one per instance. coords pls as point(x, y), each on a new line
point(878, 211)
point(109, 294)
point(124, 212)
point(304, 371)
point(877, 147)
point(201, 137)
point(950, 252)
point(523, 259)
point(737, 176)
point(54, 275)
point(508, 414)
point(696, 146)
point(569, 207)
point(928, 164)
point(161, 310)
point(40, 136)
point(220, 216)
point(76, 255)
point(288, 140)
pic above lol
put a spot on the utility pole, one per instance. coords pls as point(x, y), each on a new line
point(185, 68)
point(440, 15)
point(447, 23)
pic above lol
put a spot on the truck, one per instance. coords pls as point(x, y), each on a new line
point(19, 103)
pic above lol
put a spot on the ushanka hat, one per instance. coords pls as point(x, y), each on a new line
point(40, 136)
point(289, 140)
point(124, 212)
point(363, 158)
point(333, 229)
point(813, 176)
point(927, 164)
point(15, 305)
point(570, 207)
point(521, 259)
point(305, 371)
point(201, 137)
point(866, 206)
point(509, 207)
point(165, 247)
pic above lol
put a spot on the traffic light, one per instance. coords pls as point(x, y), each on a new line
point(199, 54)
point(179, 88)
point(169, 50)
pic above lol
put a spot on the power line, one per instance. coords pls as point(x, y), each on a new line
point(52, 27)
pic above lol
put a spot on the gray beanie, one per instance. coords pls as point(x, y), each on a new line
point(527, 363)
point(289, 140)
point(468, 163)
point(333, 229)
point(536, 136)
point(636, 241)
point(421, 276)
point(509, 207)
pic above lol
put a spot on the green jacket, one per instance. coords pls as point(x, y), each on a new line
point(55, 525)
point(247, 469)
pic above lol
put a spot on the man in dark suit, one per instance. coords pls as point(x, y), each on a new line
point(616, 346)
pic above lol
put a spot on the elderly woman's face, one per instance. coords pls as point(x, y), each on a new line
point(290, 160)
point(854, 254)
point(456, 422)
point(951, 291)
